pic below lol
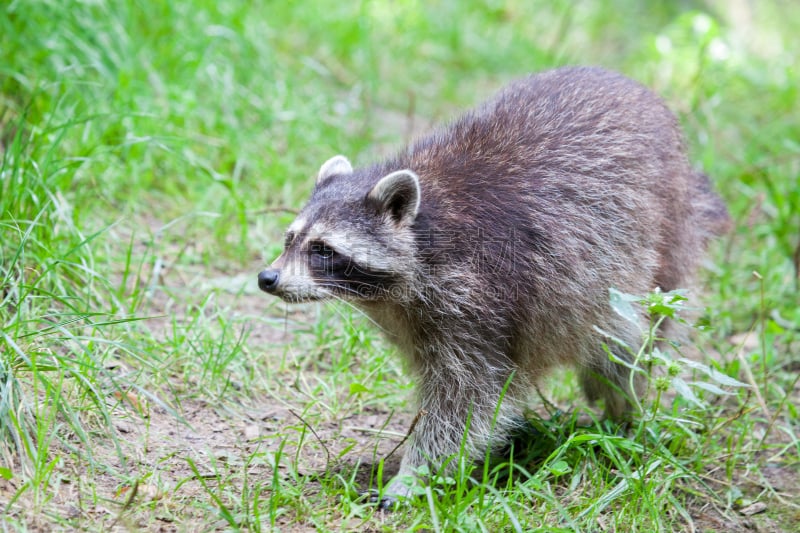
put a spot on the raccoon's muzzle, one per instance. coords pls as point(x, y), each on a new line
point(268, 280)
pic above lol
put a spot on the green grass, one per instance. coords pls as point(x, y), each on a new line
point(151, 155)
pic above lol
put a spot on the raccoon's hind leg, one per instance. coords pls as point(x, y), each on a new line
point(604, 379)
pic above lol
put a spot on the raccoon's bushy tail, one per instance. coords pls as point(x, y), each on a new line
point(710, 211)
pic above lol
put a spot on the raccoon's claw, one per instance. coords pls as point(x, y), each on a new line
point(388, 503)
point(369, 496)
point(385, 503)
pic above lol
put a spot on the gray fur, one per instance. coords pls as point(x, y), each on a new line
point(527, 210)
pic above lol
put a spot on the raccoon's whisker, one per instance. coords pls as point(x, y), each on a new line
point(352, 306)
point(360, 311)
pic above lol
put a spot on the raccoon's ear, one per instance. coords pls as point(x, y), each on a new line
point(398, 195)
point(335, 165)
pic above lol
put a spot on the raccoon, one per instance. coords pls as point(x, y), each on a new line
point(486, 250)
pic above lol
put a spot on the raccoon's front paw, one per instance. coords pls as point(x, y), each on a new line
point(384, 503)
point(388, 503)
point(398, 490)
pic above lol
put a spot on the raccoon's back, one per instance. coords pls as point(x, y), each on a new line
point(563, 124)
point(581, 173)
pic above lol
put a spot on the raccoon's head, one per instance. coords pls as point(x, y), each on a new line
point(353, 240)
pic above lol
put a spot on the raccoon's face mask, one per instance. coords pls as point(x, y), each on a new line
point(353, 240)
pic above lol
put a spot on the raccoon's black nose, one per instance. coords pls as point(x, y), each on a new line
point(268, 280)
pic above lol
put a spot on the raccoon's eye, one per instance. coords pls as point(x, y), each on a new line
point(321, 249)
